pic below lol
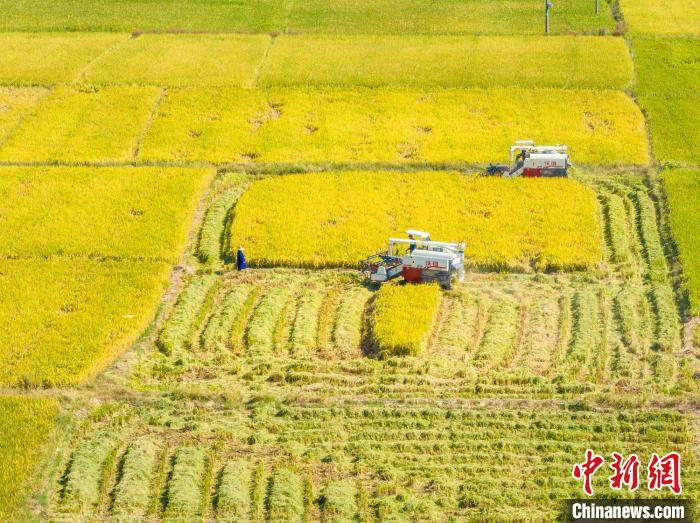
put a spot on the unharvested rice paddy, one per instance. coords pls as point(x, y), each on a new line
point(674, 122)
point(414, 61)
point(683, 190)
point(110, 212)
point(316, 16)
point(26, 425)
point(336, 219)
point(14, 103)
point(50, 58)
point(82, 125)
point(667, 66)
point(681, 17)
point(181, 60)
point(385, 125)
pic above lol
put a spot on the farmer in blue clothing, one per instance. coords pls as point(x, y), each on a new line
point(240, 259)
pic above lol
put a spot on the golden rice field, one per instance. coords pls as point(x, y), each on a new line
point(66, 319)
point(667, 66)
point(674, 122)
point(110, 212)
point(672, 17)
point(181, 60)
point(27, 426)
point(402, 317)
point(473, 61)
point(14, 103)
point(384, 125)
point(336, 219)
point(50, 58)
point(82, 125)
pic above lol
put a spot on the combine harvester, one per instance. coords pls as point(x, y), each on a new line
point(424, 261)
point(533, 161)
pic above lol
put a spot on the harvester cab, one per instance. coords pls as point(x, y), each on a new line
point(533, 161)
point(417, 259)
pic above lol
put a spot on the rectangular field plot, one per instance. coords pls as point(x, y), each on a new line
point(15, 103)
point(64, 320)
point(662, 16)
point(26, 425)
point(683, 191)
point(414, 61)
point(49, 58)
point(316, 16)
point(112, 212)
point(336, 219)
point(667, 66)
point(182, 60)
point(675, 126)
point(73, 125)
point(383, 125)
point(348, 462)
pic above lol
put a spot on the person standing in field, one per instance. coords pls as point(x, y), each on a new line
point(240, 259)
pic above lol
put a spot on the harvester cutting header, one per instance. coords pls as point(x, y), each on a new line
point(533, 161)
point(423, 260)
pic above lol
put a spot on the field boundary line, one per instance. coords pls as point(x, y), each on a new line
point(109, 50)
point(151, 118)
point(263, 62)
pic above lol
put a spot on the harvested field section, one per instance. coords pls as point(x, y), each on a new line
point(15, 103)
point(106, 212)
point(59, 331)
point(506, 224)
point(73, 125)
point(27, 427)
point(206, 60)
point(50, 58)
point(329, 461)
point(384, 125)
point(419, 61)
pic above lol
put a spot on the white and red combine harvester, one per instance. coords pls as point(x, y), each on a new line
point(533, 161)
point(418, 259)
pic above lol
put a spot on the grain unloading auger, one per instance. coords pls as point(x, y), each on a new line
point(423, 260)
point(533, 161)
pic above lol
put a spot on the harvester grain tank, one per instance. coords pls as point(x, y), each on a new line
point(417, 259)
point(533, 161)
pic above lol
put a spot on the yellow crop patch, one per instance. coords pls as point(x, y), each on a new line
point(26, 425)
point(50, 58)
point(449, 61)
point(337, 219)
point(15, 102)
point(115, 212)
point(662, 16)
point(401, 318)
point(384, 125)
point(181, 60)
point(73, 125)
point(65, 319)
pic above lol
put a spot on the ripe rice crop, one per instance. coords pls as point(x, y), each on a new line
point(402, 317)
point(389, 125)
point(106, 212)
point(72, 125)
point(65, 319)
point(420, 61)
point(15, 102)
point(50, 58)
point(182, 60)
point(667, 66)
point(674, 122)
point(336, 219)
point(662, 17)
point(683, 192)
point(307, 16)
point(27, 426)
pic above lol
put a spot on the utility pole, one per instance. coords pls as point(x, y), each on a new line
point(547, 6)
point(597, 10)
